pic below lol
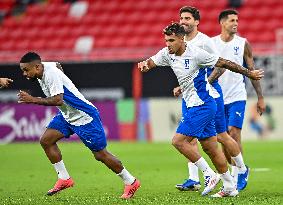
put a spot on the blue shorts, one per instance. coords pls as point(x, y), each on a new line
point(91, 134)
point(220, 120)
point(235, 113)
point(198, 121)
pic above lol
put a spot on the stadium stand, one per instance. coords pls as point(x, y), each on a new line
point(121, 29)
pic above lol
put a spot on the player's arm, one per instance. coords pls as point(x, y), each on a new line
point(227, 64)
point(59, 66)
point(56, 100)
point(248, 56)
point(215, 74)
point(159, 59)
point(5, 82)
point(146, 65)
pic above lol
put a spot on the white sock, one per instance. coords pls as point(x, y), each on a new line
point(126, 177)
point(239, 161)
point(234, 173)
point(228, 183)
point(204, 167)
point(193, 172)
point(61, 170)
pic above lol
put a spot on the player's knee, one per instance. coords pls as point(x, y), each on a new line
point(176, 142)
point(100, 156)
point(194, 142)
point(235, 136)
point(220, 139)
point(44, 142)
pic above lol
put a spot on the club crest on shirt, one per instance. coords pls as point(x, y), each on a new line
point(172, 59)
point(236, 49)
point(187, 62)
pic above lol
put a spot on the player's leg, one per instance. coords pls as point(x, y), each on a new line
point(182, 144)
point(93, 136)
point(57, 129)
point(193, 124)
point(233, 149)
point(221, 125)
point(236, 112)
point(48, 143)
point(192, 182)
point(230, 146)
point(210, 147)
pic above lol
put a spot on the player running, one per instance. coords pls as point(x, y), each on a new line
point(189, 19)
point(189, 64)
point(76, 115)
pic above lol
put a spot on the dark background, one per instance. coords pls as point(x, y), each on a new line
point(159, 82)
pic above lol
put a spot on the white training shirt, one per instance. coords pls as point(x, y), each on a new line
point(190, 71)
point(204, 42)
point(75, 109)
point(232, 84)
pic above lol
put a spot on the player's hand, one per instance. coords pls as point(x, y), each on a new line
point(143, 66)
point(177, 91)
point(24, 97)
point(256, 74)
point(260, 106)
point(5, 82)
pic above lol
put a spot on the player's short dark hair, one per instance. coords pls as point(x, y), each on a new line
point(30, 57)
point(225, 13)
point(176, 28)
point(192, 10)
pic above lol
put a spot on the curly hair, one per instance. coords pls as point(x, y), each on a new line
point(176, 28)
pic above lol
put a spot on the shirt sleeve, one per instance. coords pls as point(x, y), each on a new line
point(162, 58)
point(204, 59)
point(54, 83)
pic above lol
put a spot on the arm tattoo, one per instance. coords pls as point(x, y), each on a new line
point(216, 73)
point(248, 56)
point(56, 100)
point(59, 66)
point(223, 63)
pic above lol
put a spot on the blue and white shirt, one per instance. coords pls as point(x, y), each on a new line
point(76, 110)
point(206, 43)
point(190, 71)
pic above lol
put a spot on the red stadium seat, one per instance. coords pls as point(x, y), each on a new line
point(126, 24)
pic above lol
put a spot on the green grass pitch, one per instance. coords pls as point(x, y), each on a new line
point(26, 175)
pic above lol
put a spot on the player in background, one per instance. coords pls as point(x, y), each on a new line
point(76, 115)
point(5, 82)
point(190, 19)
point(237, 49)
point(189, 64)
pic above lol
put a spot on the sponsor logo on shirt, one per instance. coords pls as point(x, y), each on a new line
point(187, 63)
point(236, 49)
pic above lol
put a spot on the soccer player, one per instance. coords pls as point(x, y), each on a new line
point(76, 115)
point(5, 82)
point(237, 49)
point(188, 63)
point(189, 19)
